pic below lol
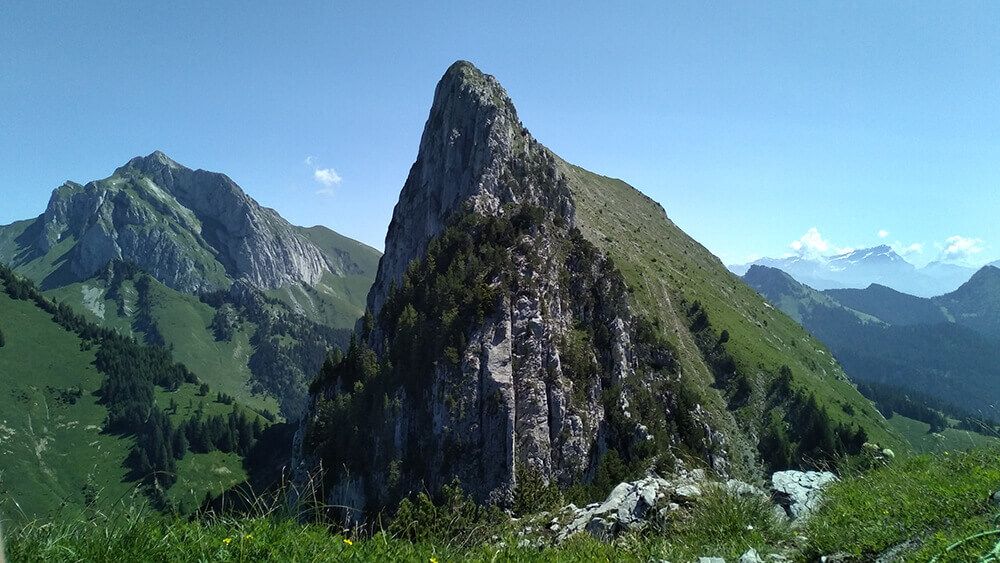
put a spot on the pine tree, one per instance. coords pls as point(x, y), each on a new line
point(180, 444)
point(142, 466)
point(3, 341)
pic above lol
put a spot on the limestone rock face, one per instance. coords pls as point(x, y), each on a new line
point(471, 151)
point(191, 229)
point(541, 383)
point(633, 506)
point(800, 492)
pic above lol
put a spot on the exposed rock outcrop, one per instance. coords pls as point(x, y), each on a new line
point(191, 229)
point(542, 379)
point(800, 492)
point(473, 151)
point(632, 507)
point(505, 345)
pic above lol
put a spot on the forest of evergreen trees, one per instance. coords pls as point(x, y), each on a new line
point(796, 429)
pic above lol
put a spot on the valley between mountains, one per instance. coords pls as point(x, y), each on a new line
point(538, 342)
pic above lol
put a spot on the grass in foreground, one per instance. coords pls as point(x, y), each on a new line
point(721, 526)
point(932, 502)
point(937, 506)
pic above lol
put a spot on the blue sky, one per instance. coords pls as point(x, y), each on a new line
point(752, 123)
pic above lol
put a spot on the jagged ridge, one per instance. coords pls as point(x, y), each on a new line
point(500, 398)
point(191, 229)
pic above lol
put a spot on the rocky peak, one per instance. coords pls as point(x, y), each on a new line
point(473, 151)
point(191, 229)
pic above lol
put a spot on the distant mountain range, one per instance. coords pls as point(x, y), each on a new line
point(231, 311)
point(947, 347)
point(861, 268)
point(245, 299)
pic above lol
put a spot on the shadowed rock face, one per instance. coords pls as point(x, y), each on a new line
point(191, 229)
point(509, 402)
point(472, 145)
point(505, 344)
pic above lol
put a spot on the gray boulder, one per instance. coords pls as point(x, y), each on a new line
point(800, 492)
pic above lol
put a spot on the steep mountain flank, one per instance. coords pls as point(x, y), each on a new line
point(909, 346)
point(977, 303)
point(188, 228)
point(531, 321)
point(890, 305)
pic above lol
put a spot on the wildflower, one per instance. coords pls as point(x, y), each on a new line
point(750, 527)
point(348, 542)
point(433, 560)
point(248, 537)
point(227, 541)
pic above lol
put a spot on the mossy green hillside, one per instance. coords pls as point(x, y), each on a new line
point(53, 451)
point(667, 271)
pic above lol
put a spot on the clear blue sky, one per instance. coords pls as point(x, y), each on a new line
point(751, 123)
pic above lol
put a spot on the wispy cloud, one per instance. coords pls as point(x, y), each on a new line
point(906, 250)
point(882, 233)
point(327, 178)
point(959, 248)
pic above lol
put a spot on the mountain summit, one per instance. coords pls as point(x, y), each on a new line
point(191, 229)
point(470, 149)
point(532, 321)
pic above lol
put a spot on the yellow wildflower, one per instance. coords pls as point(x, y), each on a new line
point(433, 560)
point(248, 537)
point(227, 541)
point(348, 542)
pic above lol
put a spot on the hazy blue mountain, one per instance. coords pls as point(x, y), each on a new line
point(976, 304)
point(861, 268)
point(891, 306)
point(882, 336)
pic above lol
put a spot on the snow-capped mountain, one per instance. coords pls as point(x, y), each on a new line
point(861, 268)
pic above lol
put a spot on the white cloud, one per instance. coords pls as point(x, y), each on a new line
point(882, 233)
point(813, 245)
point(810, 243)
point(327, 176)
point(906, 250)
point(961, 248)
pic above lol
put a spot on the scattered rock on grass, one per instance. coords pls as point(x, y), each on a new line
point(800, 492)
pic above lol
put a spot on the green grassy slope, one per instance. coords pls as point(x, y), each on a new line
point(50, 448)
point(918, 434)
point(666, 268)
point(185, 322)
point(338, 301)
point(924, 508)
point(55, 457)
point(90, 299)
